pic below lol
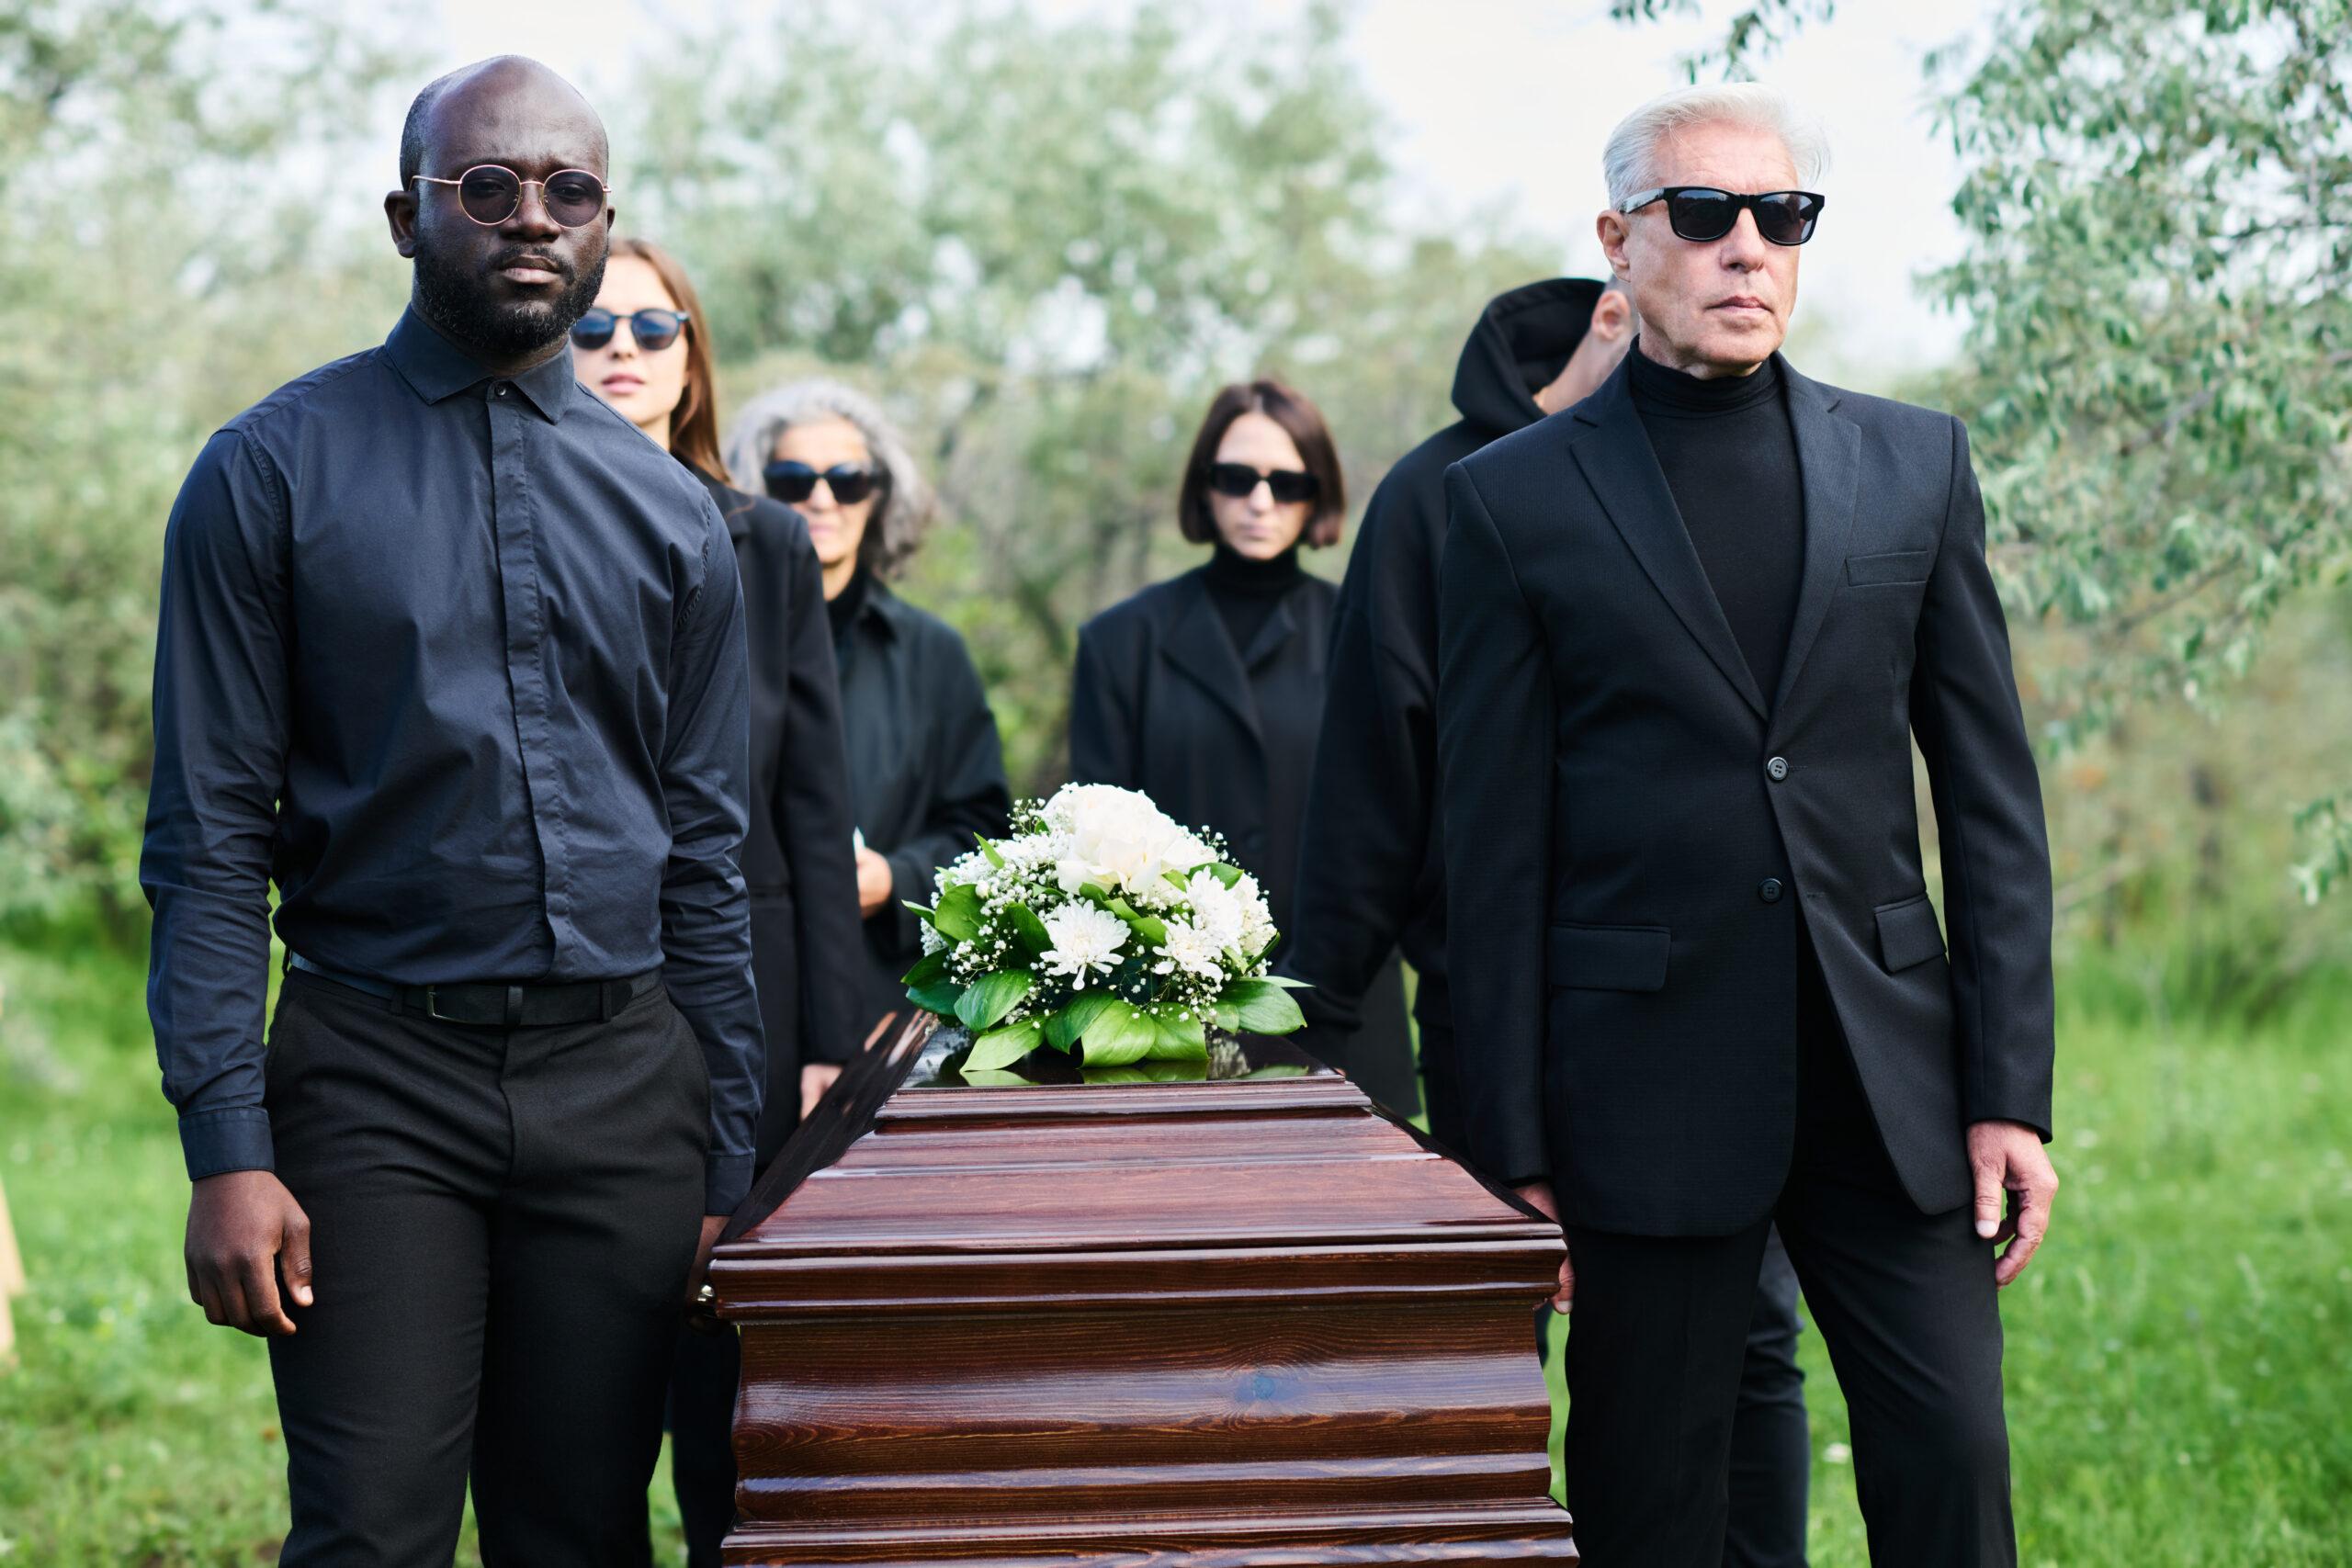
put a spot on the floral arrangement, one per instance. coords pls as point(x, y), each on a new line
point(1099, 927)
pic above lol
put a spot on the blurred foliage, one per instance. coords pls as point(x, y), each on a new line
point(1045, 244)
point(157, 165)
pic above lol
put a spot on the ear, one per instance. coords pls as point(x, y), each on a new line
point(400, 213)
point(1614, 315)
point(1613, 228)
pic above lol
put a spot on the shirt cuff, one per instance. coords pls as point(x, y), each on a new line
point(727, 1182)
point(214, 1142)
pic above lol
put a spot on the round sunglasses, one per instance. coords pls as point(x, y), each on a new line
point(793, 483)
point(651, 330)
point(489, 194)
point(1702, 213)
point(1237, 480)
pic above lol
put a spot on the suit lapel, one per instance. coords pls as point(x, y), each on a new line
point(1198, 646)
point(1829, 464)
point(1622, 467)
point(1271, 638)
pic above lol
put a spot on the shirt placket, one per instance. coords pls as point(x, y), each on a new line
point(529, 680)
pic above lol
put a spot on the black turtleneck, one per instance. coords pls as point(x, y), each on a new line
point(843, 607)
point(1246, 591)
point(1730, 457)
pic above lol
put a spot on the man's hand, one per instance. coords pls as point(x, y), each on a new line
point(1539, 1195)
point(816, 1077)
point(246, 1235)
point(875, 881)
point(2007, 1158)
point(711, 1225)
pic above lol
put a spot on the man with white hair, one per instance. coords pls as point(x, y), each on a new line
point(1688, 631)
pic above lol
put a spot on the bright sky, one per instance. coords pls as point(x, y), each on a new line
point(1506, 103)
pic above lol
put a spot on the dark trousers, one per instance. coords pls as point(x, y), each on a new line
point(502, 1222)
point(1659, 1343)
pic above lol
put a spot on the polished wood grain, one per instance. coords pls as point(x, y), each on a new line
point(1183, 1325)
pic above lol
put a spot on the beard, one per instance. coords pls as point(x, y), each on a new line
point(454, 298)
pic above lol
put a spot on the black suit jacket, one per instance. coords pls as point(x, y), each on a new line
point(1162, 702)
point(797, 859)
point(1626, 866)
point(926, 771)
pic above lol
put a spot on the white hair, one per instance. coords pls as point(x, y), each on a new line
point(1629, 163)
point(907, 504)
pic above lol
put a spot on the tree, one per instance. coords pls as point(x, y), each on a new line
point(1045, 244)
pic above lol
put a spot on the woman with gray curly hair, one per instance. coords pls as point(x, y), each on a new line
point(926, 771)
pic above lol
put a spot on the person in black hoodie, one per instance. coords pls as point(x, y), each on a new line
point(1371, 864)
point(643, 349)
point(1206, 691)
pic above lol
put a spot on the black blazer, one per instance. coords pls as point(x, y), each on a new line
point(797, 859)
point(1632, 829)
point(1162, 702)
point(926, 771)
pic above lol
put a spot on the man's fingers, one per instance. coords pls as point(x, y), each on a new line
point(1565, 1298)
point(2030, 1222)
point(258, 1277)
point(1991, 1199)
point(294, 1260)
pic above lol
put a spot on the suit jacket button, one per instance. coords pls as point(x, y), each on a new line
point(1777, 768)
point(1769, 890)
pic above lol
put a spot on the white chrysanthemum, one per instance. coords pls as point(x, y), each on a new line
point(1215, 910)
point(1195, 950)
point(1085, 939)
point(1258, 932)
point(1119, 837)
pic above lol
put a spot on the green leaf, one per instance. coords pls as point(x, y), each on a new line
point(1286, 983)
point(1228, 875)
point(992, 1077)
point(990, 996)
point(995, 859)
point(1228, 1016)
point(1148, 1072)
point(1067, 1027)
point(1029, 931)
point(1178, 1039)
point(1265, 1007)
point(958, 917)
point(928, 969)
point(1118, 1036)
point(1154, 932)
point(938, 995)
point(999, 1048)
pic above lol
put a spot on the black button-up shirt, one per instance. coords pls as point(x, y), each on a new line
point(458, 661)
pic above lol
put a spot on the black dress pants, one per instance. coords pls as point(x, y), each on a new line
point(501, 1224)
point(1905, 1303)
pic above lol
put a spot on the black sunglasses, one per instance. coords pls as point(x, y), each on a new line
point(491, 193)
point(654, 330)
point(793, 483)
point(1702, 213)
point(1238, 479)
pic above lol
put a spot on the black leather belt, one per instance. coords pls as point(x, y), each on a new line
point(499, 1007)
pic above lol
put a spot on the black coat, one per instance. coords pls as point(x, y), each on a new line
point(1371, 876)
point(925, 768)
point(796, 860)
point(1632, 829)
point(1164, 703)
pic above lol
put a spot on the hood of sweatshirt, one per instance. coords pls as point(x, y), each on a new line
point(1518, 347)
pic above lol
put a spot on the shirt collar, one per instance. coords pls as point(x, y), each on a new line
point(436, 368)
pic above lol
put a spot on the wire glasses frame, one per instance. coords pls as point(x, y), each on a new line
point(489, 194)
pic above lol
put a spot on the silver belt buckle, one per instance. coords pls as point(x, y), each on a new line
point(432, 1006)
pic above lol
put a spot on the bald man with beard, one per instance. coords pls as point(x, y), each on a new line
point(454, 656)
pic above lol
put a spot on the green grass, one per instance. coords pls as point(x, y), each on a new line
point(2179, 1367)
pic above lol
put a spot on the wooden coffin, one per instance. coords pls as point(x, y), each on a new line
point(1203, 1323)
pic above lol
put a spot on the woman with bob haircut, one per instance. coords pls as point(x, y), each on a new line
point(926, 771)
point(1206, 691)
point(644, 348)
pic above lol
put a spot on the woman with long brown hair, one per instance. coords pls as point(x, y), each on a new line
point(645, 349)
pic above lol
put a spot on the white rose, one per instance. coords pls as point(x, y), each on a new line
point(1122, 836)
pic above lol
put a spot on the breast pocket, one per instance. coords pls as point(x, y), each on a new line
point(1891, 570)
point(1608, 958)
